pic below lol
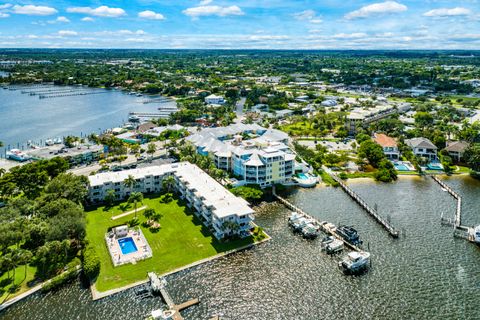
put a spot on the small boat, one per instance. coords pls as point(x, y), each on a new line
point(49, 142)
point(349, 234)
point(57, 140)
point(134, 118)
point(300, 223)
point(310, 231)
point(17, 155)
point(332, 245)
point(294, 216)
point(161, 314)
point(476, 235)
point(355, 262)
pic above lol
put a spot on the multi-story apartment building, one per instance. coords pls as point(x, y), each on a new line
point(221, 211)
point(254, 154)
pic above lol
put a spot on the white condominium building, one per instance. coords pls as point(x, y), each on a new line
point(222, 212)
point(254, 154)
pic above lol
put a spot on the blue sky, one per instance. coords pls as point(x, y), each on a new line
point(242, 24)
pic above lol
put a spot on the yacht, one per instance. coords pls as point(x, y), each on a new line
point(355, 262)
point(49, 142)
point(332, 245)
point(57, 140)
point(17, 155)
point(349, 234)
point(476, 234)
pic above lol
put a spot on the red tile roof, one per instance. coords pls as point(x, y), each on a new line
point(384, 140)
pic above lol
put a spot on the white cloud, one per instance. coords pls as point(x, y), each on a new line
point(308, 15)
point(357, 35)
point(376, 9)
point(67, 33)
point(205, 2)
point(196, 12)
point(62, 19)
point(102, 11)
point(267, 37)
point(151, 15)
point(4, 15)
point(305, 15)
point(5, 6)
point(446, 12)
point(34, 10)
point(87, 19)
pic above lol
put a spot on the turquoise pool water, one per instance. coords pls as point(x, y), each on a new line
point(434, 166)
point(401, 167)
point(127, 245)
point(302, 176)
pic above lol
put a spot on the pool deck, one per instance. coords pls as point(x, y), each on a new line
point(97, 295)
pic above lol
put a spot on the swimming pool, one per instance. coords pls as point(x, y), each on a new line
point(302, 176)
point(127, 245)
point(434, 166)
point(401, 167)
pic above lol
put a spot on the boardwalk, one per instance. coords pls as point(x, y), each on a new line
point(371, 211)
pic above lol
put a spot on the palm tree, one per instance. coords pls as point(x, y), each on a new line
point(168, 183)
point(130, 182)
point(151, 148)
point(135, 197)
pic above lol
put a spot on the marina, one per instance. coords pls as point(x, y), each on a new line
point(44, 119)
point(415, 279)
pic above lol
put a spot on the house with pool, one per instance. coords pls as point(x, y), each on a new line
point(422, 147)
point(389, 146)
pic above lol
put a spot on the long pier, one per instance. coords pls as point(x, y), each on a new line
point(371, 211)
point(152, 115)
point(159, 285)
point(70, 94)
point(325, 228)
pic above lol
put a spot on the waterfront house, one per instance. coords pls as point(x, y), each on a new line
point(222, 212)
point(422, 147)
point(456, 149)
point(214, 99)
point(255, 155)
point(389, 145)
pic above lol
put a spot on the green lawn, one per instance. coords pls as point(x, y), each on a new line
point(181, 240)
point(20, 279)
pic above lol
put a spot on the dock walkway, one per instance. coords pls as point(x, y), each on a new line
point(159, 285)
point(461, 231)
point(371, 211)
point(324, 227)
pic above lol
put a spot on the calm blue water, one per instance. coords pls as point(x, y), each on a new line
point(127, 245)
point(24, 117)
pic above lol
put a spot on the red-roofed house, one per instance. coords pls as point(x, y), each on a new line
point(389, 145)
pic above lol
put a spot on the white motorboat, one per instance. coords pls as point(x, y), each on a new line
point(355, 261)
point(332, 245)
point(294, 216)
point(17, 155)
point(476, 235)
point(309, 231)
point(49, 142)
point(161, 314)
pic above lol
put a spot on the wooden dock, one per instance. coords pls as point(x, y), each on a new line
point(371, 211)
point(159, 285)
point(324, 228)
point(460, 231)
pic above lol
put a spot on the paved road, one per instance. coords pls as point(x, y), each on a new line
point(239, 107)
